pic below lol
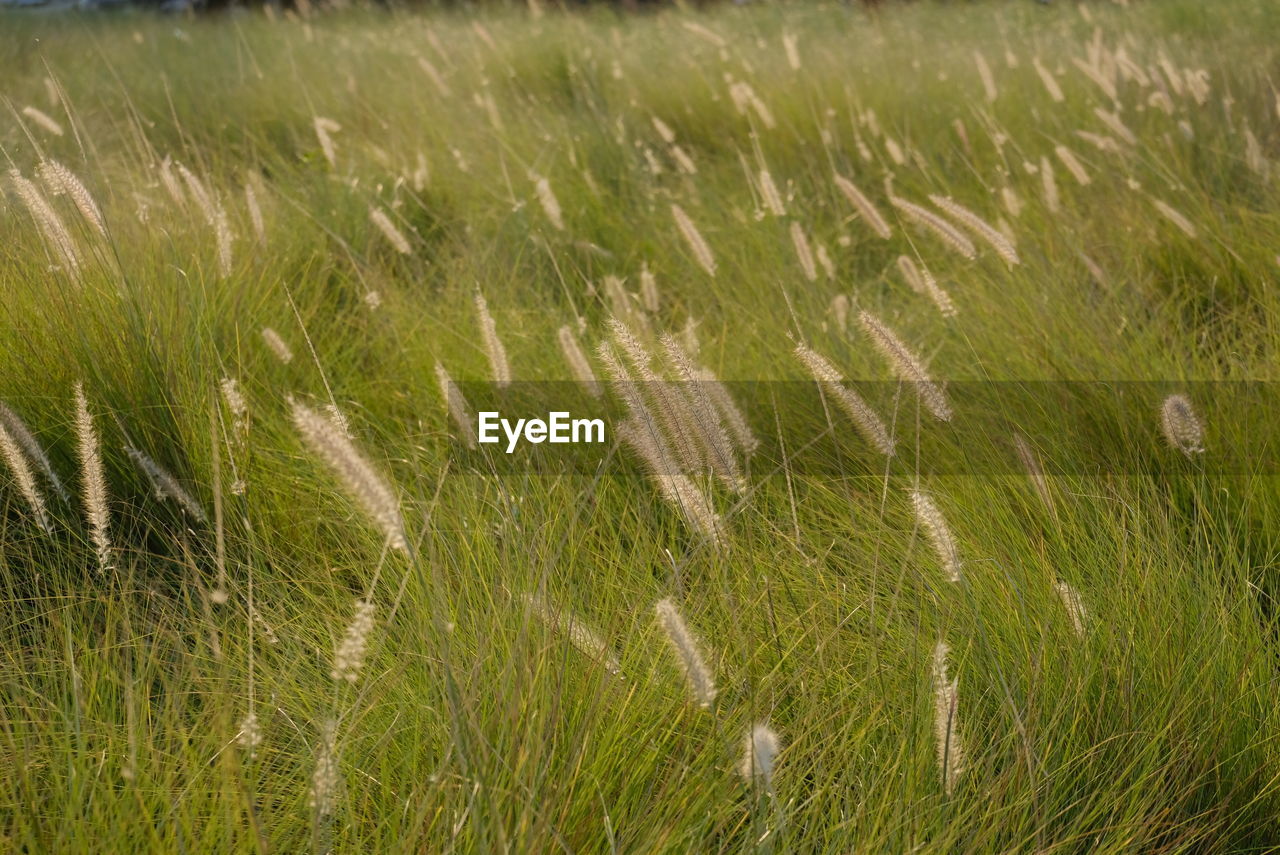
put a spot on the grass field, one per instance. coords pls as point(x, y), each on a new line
point(264, 604)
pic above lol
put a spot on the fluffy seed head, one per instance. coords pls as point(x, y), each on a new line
point(63, 182)
point(685, 645)
point(1073, 605)
point(93, 481)
point(869, 213)
point(692, 237)
point(1181, 426)
point(326, 779)
point(864, 418)
point(394, 236)
point(906, 365)
point(945, 232)
point(277, 345)
point(939, 533)
point(167, 487)
point(946, 698)
point(550, 205)
point(577, 360)
point(375, 496)
point(760, 749)
point(979, 227)
point(493, 348)
point(348, 658)
point(459, 409)
point(24, 477)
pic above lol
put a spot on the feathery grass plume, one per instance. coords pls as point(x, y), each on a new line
point(436, 79)
point(670, 407)
point(348, 658)
point(459, 409)
point(692, 237)
point(1181, 426)
point(706, 421)
point(1031, 463)
point(683, 160)
point(1073, 165)
point(622, 304)
point(803, 253)
point(769, 193)
point(326, 779)
point(864, 418)
point(199, 192)
point(324, 129)
point(255, 213)
point(1012, 204)
point(1098, 76)
point(93, 481)
point(394, 236)
point(327, 441)
point(11, 451)
point(236, 404)
point(170, 181)
point(906, 365)
point(839, 310)
point(939, 533)
point(550, 204)
point(946, 708)
point(979, 227)
point(922, 282)
point(744, 98)
point(793, 53)
point(760, 749)
point(63, 182)
point(1050, 83)
point(579, 365)
point(249, 738)
point(1253, 156)
point(1174, 216)
point(43, 119)
point(1117, 127)
point(946, 232)
point(166, 486)
point(674, 486)
point(277, 345)
point(493, 348)
point(649, 297)
point(871, 215)
point(223, 238)
point(701, 682)
point(47, 220)
point(664, 130)
point(1049, 184)
point(988, 79)
point(1073, 606)
point(581, 636)
point(31, 446)
point(728, 408)
point(912, 273)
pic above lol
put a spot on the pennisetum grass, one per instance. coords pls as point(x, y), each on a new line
point(63, 182)
point(946, 699)
point(493, 349)
point(11, 451)
point(936, 529)
point(166, 486)
point(906, 365)
point(693, 238)
point(1073, 605)
point(1181, 426)
point(93, 482)
point(581, 636)
point(33, 449)
point(869, 213)
point(947, 233)
point(760, 749)
point(374, 495)
point(550, 204)
point(394, 236)
point(803, 253)
point(459, 409)
point(349, 656)
point(276, 344)
point(865, 419)
point(979, 227)
point(47, 220)
point(577, 360)
point(683, 643)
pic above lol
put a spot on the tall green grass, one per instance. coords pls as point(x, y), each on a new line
point(476, 723)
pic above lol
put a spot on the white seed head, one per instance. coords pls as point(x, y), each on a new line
point(328, 442)
point(685, 645)
point(1181, 426)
